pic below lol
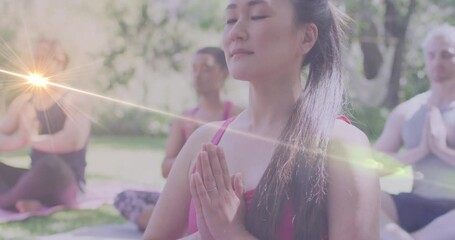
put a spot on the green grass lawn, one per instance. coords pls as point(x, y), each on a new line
point(59, 222)
point(123, 159)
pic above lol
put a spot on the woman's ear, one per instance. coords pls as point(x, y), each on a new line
point(309, 36)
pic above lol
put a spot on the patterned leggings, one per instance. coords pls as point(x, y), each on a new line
point(131, 203)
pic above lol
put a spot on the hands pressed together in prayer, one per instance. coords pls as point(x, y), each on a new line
point(29, 125)
point(437, 140)
point(434, 134)
point(217, 196)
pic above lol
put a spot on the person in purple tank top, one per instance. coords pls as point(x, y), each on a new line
point(209, 72)
point(271, 173)
point(53, 123)
point(420, 132)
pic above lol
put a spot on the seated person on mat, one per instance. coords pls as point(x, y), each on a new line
point(425, 127)
point(49, 120)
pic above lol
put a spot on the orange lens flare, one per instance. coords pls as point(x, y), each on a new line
point(37, 80)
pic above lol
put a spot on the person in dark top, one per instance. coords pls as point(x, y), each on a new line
point(53, 123)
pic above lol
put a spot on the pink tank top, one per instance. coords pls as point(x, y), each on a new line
point(188, 127)
point(286, 229)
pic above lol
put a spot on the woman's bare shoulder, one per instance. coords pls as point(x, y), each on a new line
point(349, 134)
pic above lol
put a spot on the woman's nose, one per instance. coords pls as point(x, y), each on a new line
point(239, 30)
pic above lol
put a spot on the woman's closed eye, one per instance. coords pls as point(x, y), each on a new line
point(231, 21)
point(258, 17)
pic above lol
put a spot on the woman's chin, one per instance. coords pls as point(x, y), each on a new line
point(243, 74)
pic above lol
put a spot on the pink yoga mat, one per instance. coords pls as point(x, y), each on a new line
point(95, 196)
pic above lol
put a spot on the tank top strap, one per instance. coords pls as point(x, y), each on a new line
point(227, 110)
point(344, 118)
point(219, 134)
point(193, 111)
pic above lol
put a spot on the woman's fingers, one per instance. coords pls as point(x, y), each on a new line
point(224, 168)
point(212, 166)
point(199, 164)
point(201, 191)
point(215, 165)
point(208, 179)
point(194, 193)
point(238, 185)
point(200, 215)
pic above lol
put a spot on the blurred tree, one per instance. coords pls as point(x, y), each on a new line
point(7, 34)
point(382, 25)
point(208, 15)
point(147, 36)
point(144, 38)
point(389, 24)
point(385, 60)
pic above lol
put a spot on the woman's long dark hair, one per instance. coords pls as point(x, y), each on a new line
point(297, 171)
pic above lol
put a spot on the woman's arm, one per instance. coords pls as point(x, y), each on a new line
point(353, 200)
point(170, 216)
point(11, 143)
point(174, 144)
point(75, 132)
point(12, 136)
point(11, 122)
point(390, 140)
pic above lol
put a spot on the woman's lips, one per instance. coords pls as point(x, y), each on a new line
point(240, 52)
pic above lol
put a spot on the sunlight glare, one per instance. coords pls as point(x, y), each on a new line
point(37, 80)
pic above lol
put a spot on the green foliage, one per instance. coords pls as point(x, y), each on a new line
point(147, 38)
point(370, 120)
point(130, 142)
point(115, 120)
point(207, 15)
point(415, 82)
point(7, 35)
point(413, 77)
point(144, 34)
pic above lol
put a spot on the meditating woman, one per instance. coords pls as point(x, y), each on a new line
point(289, 149)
